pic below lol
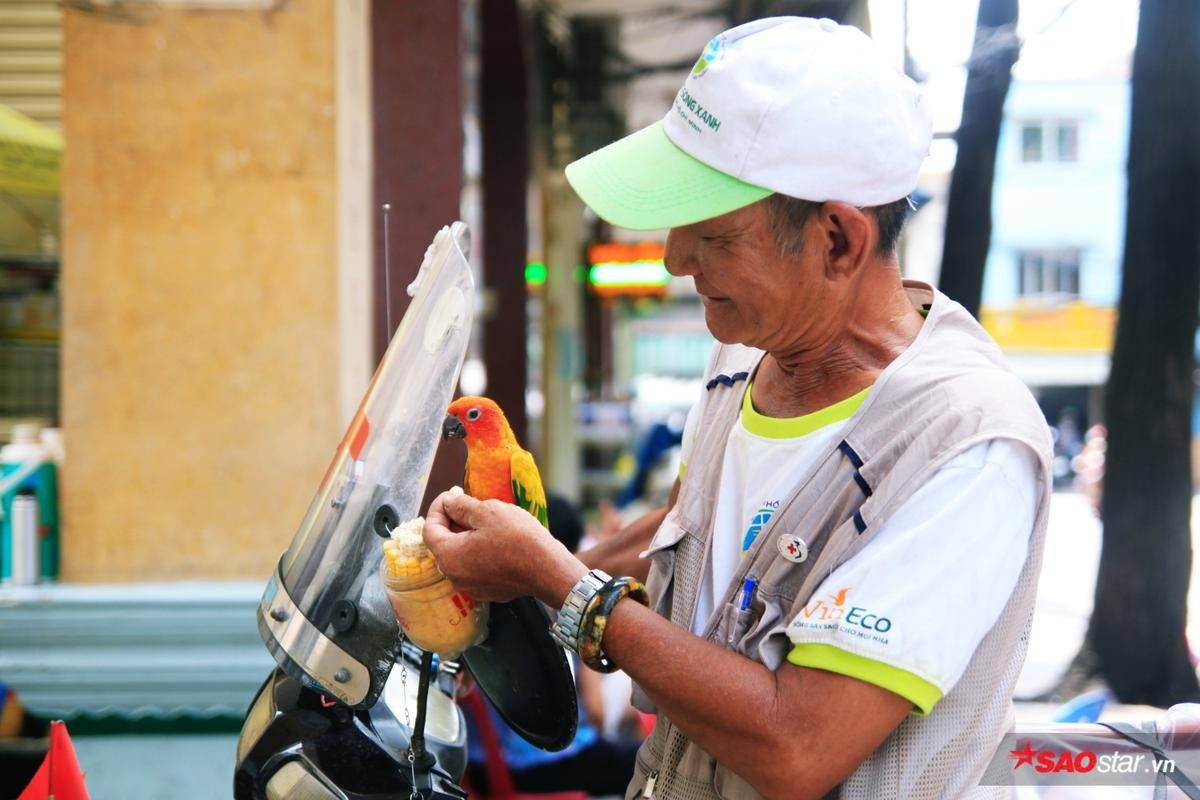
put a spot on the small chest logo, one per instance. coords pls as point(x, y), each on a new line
point(758, 522)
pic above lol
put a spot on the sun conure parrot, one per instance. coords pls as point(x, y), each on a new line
point(518, 631)
point(497, 467)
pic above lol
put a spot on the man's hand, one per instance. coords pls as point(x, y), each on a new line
point(496, 551)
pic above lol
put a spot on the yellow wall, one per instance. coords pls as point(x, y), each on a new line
point(200, 330)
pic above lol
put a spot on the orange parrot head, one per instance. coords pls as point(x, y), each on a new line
point(478, 420)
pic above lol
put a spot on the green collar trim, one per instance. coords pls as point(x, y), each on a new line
point(793, 427)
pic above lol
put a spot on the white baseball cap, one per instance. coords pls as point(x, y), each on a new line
point(803, 107)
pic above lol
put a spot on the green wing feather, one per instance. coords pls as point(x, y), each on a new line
point(527, 485)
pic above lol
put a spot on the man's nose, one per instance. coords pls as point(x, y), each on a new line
point(678, 256)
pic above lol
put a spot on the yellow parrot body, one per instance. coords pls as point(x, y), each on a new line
point(497, 467)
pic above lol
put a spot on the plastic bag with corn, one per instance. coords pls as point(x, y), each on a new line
point(434, 615)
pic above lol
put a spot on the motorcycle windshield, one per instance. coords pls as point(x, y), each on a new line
point(324, 615)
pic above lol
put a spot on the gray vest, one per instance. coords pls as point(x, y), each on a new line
point(948, 391)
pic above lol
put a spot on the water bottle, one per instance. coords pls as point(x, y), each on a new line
point(26, 470)
point(24, 537)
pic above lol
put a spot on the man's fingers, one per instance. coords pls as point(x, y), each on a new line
point(437, 512)
point(435, 530)
point(462, 509)
point(438, 521)
point(450, 514)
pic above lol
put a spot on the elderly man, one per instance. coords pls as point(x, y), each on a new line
point(842, 585)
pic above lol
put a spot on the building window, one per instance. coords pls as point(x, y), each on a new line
point(1042, 273)
point(1049, 140)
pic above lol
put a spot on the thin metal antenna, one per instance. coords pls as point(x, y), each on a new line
point(387, 271)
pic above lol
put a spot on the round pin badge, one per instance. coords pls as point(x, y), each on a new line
point(792, 548)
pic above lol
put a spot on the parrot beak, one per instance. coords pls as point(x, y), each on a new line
point(452, 428)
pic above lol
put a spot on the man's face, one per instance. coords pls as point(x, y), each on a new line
point(751, 294)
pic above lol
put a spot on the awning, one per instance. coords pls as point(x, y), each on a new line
point(30, 155)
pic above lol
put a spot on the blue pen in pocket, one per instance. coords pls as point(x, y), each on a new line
point(748, 587)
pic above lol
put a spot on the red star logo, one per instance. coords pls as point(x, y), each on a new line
point(1023, 756)
point(792, 549)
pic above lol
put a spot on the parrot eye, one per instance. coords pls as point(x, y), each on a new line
point(473, 414)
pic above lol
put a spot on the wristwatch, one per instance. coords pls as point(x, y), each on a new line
point(565, 628)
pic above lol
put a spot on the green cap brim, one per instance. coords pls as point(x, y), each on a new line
point(644, 182)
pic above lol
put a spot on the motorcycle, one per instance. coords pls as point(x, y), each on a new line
point(354, 712)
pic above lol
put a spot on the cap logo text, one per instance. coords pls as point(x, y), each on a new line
point(699, 112)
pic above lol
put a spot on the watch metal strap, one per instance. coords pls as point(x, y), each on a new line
point(565, 628)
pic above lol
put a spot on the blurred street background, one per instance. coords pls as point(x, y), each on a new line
point(193, 299)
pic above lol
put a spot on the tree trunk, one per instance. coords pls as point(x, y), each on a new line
point(1137, 628)
point(969, 209)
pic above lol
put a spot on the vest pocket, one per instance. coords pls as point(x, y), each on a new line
point(668, 535)
point(733, 624)
point(661, 553)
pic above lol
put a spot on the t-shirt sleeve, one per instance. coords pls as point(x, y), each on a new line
point(908, 610)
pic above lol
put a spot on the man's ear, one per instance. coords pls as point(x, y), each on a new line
point(848, 235)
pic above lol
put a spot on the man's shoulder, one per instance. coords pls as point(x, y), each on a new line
point(953, 389)
point(957, 368)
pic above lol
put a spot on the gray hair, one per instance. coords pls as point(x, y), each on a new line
point(787, 217)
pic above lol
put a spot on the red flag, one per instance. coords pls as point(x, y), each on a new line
point(59, 776)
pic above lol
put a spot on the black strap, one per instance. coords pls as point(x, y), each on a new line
point(854, 457)
point(860, 524)
point(727, 380)
point(1140, 737)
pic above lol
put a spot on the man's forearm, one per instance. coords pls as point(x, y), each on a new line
point(723, 702)
point(793, 733)
point(619, 555)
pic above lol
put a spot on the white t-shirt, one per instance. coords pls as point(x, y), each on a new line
point(907, 611)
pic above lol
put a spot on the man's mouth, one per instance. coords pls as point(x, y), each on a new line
point(708, 297)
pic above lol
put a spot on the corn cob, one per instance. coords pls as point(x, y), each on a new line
point(432, 613)
point(405, 555)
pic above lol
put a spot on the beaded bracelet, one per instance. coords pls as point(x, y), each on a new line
point(595, 620)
